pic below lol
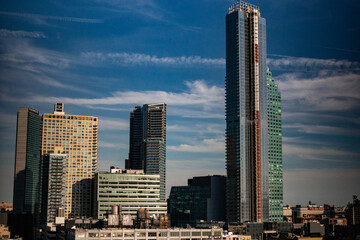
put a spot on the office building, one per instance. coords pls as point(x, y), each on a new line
point(246, 115)
point(275, 150)
point(27, 160)
point(77, 136)
point(131, 189)
point(202, 200)
point(53, 185)
point(148, 141)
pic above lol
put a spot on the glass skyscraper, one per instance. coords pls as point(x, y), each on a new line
point(27, 160)
point(275, 150)
point(147, 149)
point(246, 115)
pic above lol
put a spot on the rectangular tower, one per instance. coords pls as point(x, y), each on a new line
point(53, 185)
point(77, 135)
point(27, 160)
point(246, 115)
point(148, 141)
point(275, 150)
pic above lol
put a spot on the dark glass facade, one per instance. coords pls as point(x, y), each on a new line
point(27, 160)
point(203, 199)
point(147, 149)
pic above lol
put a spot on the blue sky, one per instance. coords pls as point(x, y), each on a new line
point(103, 57)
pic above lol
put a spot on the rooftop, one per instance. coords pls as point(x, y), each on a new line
point(244, 7)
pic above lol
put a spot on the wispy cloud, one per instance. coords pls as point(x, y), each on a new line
point(130, 59)
point(202, 128)
point(21, 34)
point(23, 62)
point(114, 145)
point(281, 62)
point(113, 124)
point(38, 18)
point(199, 93)
point(145, 8)
point(321, 129)
point(327, 154)
point(333, 92)
point(216, 145)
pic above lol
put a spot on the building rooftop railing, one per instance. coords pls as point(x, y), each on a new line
point(243, 6)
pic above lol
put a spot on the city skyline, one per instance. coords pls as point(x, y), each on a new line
point(104, 58)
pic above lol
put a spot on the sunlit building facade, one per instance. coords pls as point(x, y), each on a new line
point(77, 136)
point(131, 189)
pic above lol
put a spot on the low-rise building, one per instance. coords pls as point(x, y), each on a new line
point(146, 234)
point(202, 200)
point(130, 190)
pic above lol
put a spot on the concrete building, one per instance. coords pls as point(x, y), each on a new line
point(131, 190)
point(147, 149)
point(77, 136)
point(146, 234)
point(27, 160)
point(275, 150)
point(308, 214)
point(202, 200)
point(53, 185)
point(246, 115)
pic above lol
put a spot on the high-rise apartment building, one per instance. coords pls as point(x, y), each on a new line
point(275, 150)
point(131, 189)
point(53, 185)
point(27, 160)
point(77, 136)
point(148, 141)
point(246, 115)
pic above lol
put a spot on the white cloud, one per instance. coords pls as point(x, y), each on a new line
point(199, 93)
point(215, 145)
point(21, 34)
point(304, 64)
point(144, 59)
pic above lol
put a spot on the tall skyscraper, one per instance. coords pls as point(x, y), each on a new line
point(77, 136)
point(148, 141)
point(275, 150)
point(246, 115)
point(27, 160)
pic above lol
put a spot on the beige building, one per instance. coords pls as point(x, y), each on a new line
point(75, 136)
point(148, 234)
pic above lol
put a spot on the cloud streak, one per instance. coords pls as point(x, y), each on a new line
point(39, 18)
point(199, 93)
point(216, 145)
point(21, 34)
point(136, 59)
